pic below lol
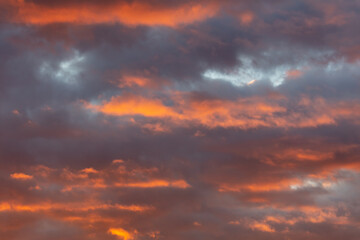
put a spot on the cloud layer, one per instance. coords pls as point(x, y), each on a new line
point(141, 120)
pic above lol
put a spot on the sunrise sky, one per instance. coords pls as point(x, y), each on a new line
point(179, 120)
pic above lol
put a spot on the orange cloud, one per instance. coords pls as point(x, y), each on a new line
point(77, 196)
point(134, 13)
point(21, 176)
point(131, 81)
point(311, 214)
point(78, 207)
point(155, 184)
point(259, 187)
point(246, 18)
point(261, 227)
point(132, 105)
point(242, 113)
point(300, 154)
point(254, 225)
point(121, 233)
point(122, 176)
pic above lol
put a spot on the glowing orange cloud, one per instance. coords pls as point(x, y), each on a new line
point(89, 170)
point(79, 207)
point(259, 187)
point(307, 155)
point(121, 233)
point(128, 13)
point(254, 225)
point(155, 184)
point(261, 227)
point(21, 176)
point(131, 105)
point(241, 113)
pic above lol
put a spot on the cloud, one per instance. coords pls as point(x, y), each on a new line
point(121, 233)
point(21, 176)
point(130, 13)
point(179, 120)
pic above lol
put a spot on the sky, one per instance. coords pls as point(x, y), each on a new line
point(174, 120)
